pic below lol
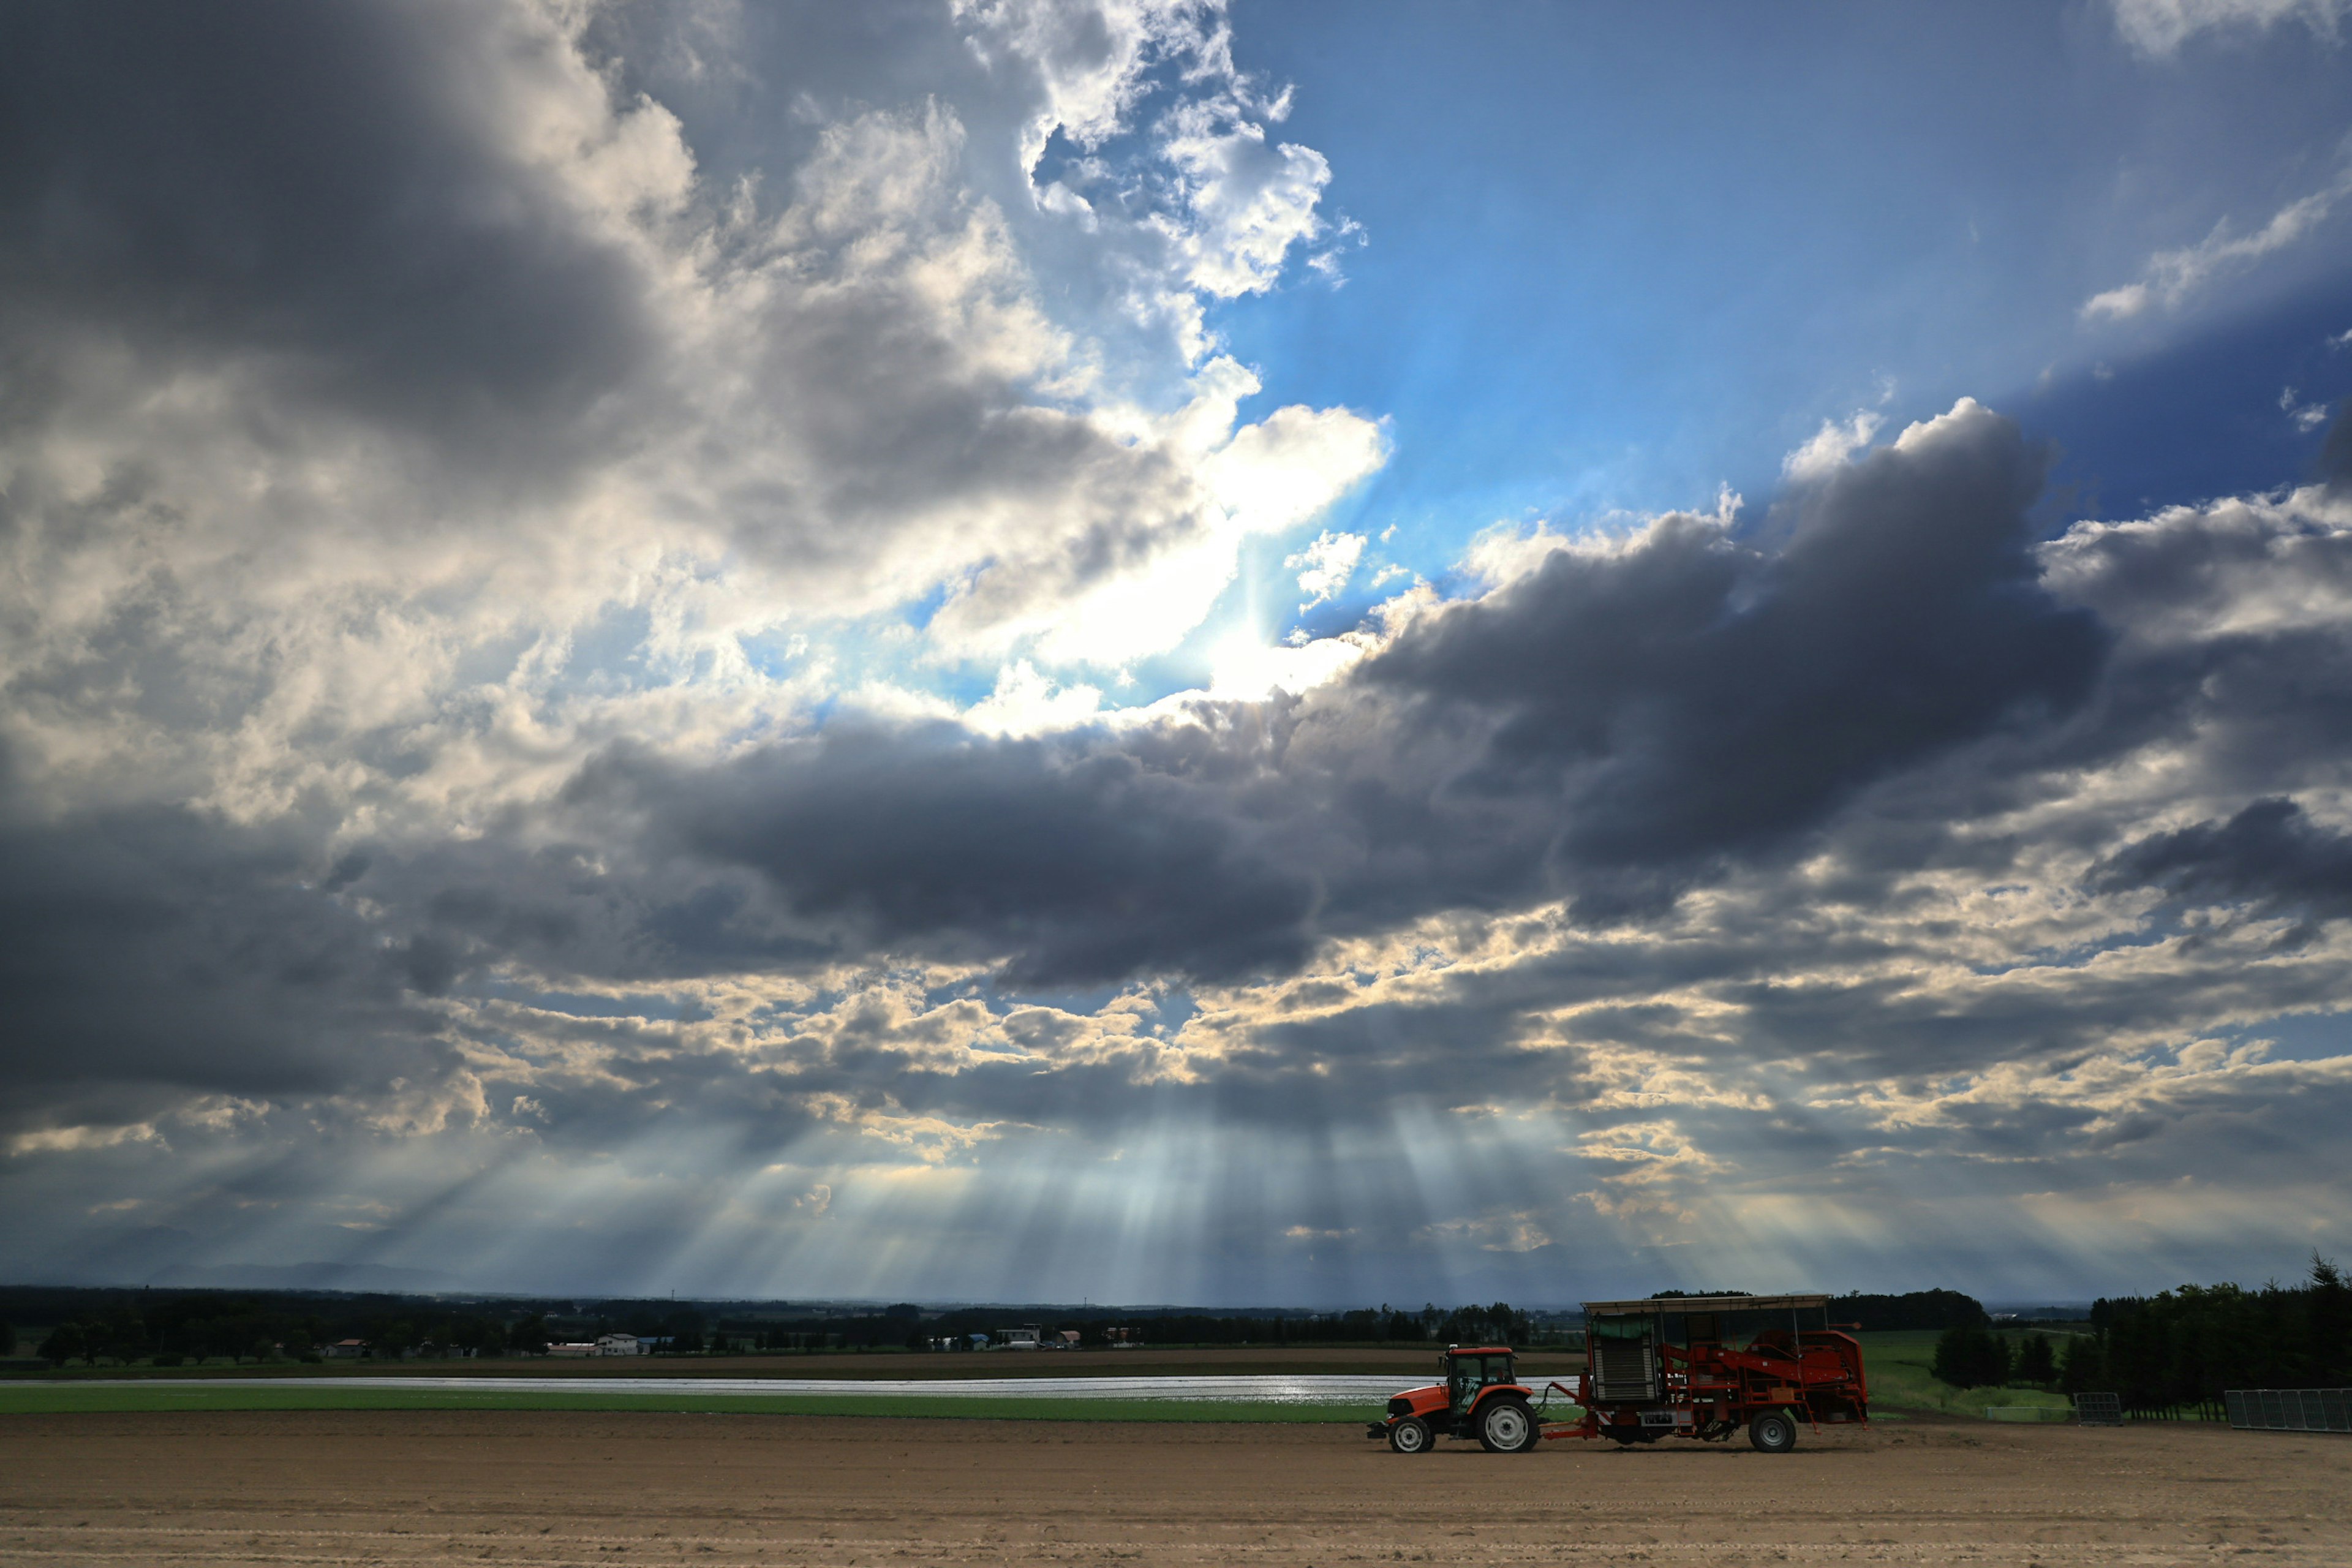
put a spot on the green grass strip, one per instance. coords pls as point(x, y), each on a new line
point(1897, 1363)
point(22, 1399)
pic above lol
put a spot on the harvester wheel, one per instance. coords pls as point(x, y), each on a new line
point(1772, 1433)
point(1508, 1427)
point(1410, 1435)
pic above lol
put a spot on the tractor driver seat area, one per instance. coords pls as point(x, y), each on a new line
point(1467, 1374)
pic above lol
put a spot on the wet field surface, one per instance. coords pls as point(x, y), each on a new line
point(1309, 1388)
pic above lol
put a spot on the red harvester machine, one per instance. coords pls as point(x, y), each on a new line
point(1682, 1366)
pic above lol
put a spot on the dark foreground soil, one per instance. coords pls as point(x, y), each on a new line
point(541, 1488)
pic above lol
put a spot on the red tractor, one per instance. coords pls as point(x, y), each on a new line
point(1479, 1398)
point(1682, 1366)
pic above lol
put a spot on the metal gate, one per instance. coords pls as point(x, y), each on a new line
point(2099, 1409)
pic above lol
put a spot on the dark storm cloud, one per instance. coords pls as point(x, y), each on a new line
point(315, 189)
point(150, 952)
point(1618, 726)
point(2270, 857)
point(1694, 698)
point(2234, 649)
point(1086, 861)
point(1614, 726)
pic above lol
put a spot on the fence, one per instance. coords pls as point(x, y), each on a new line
point(2114, 1410)
point(2290, 1409)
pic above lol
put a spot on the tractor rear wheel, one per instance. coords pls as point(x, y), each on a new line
point(1508, 1427)
point(1410, 1435)
point(1772, 1433)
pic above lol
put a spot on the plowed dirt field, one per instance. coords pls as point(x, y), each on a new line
point(541, 1488)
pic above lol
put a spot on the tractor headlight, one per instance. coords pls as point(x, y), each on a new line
point(1400, 1406)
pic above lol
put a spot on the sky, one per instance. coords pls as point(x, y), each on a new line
point(1171, 651)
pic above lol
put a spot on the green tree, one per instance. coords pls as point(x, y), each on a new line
point(126, 1335)
point(1971, 1356)
point(65, 1342)
point(8, 1341)
point(2084, 1368)
point(2327, 1317)
point(2036, 1362)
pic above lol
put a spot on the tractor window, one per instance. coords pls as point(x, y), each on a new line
point(1478, 1371)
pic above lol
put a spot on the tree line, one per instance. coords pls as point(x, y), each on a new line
point(176, 1332)
point(97, 1326)
point(92, 1326)
point(2179, 1347)
point(1475, 1324)
point(2190, 1344)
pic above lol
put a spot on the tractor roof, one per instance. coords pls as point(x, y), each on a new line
point(1477, 1350)
point(1702, 1304)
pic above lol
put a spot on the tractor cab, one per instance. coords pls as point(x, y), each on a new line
point(1470, 1373)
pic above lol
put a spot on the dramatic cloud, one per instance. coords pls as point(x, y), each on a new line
point(606, 645)
point(2172, 276)
point(2269, 858)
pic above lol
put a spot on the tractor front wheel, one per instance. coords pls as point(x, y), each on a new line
point(1508, 1427)
point(1772, 1433)
point(1410, 1435)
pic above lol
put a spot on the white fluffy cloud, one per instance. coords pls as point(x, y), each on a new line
point(1326, 564)
point(2161, 26)
point(271, 572)
point(1247, 202)
point(1830, 446)
point(2172, 276)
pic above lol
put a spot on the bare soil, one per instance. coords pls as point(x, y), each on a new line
point(542, 1487)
